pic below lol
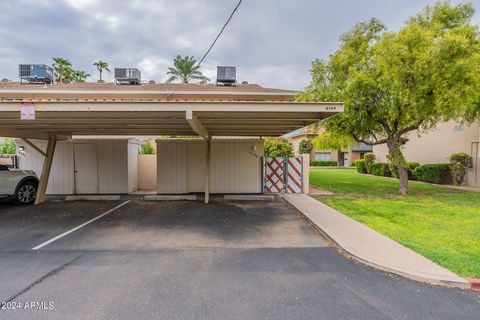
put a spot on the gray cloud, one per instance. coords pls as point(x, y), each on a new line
point(270, 41)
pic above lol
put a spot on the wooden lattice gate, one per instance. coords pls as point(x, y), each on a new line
point(284, 175)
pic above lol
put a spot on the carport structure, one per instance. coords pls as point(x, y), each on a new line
point(64, 118)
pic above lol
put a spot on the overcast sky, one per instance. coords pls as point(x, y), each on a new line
point(271, 42)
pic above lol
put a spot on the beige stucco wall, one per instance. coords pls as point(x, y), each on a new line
point(6, 161)
point(437, 145)
point(147, 171)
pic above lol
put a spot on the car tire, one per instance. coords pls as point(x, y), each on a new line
point(25, 193)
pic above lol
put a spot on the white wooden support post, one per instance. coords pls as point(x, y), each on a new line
point(306, 173)
point(47, 165)
point(207, 171)
point(200, 129)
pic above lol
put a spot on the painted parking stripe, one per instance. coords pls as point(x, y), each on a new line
point(78, 227)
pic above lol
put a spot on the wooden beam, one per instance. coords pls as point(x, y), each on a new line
point(207, 171)
point(30, 134)
point(47, 165)
point(196, 125)
point(31, 144)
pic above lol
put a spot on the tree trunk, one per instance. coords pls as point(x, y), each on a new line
point(100, 75)
point(396, 155)
point(403, 176)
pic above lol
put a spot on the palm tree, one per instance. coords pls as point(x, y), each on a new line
point(79, 76)
point(184, 69)
point(62, 67)
point(101, 65)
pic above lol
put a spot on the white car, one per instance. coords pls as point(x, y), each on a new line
point(18, 185)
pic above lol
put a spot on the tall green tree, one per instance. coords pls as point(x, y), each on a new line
point(184, 70)
point(395, 83)
point(62, 68)
point(101, 66)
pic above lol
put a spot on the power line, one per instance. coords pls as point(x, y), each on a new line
point(220, 33)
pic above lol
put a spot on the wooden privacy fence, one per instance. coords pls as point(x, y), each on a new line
point(283, 175)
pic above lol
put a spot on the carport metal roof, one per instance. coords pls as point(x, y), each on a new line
point(61, 114)
point(222, 118)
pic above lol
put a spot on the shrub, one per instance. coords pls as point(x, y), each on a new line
point(323, 163)
point(410, 166)
point(369, 161)
point(277, 147)
point(381, 169)
point(8, 146)
point(360, 165)
point(147, 148)
point(459, 165)
point(433, 173)
point(305, 147)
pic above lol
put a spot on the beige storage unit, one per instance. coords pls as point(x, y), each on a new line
point(172, 166)
point(62, 174)
point(236, 166)
point(86, 166)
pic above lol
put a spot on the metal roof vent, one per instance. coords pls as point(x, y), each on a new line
point(226, 75)
point(35, 73)
point(128, 76)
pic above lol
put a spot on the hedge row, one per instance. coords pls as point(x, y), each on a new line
point(410, 166)
point(438, 173)
point(323, 163)
point(381, 169)
point(434, 173)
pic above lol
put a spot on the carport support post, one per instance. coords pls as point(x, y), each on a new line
point(207, 171)
point(47, 165)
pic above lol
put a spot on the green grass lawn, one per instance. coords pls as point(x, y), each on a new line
point(440, 223)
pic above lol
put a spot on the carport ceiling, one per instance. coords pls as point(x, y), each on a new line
point(162, 118)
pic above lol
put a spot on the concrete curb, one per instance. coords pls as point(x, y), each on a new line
point(248, 197)
point(171, 197)
point(93, 198)
point(474, 283)
point(374, 249)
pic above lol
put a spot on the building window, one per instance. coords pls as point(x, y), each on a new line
point(323, 156)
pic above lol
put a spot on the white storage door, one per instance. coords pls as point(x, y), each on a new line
point(86, 168)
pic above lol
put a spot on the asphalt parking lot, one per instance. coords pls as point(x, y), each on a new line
point(188, 260)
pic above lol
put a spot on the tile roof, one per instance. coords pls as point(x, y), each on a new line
point(175, 87)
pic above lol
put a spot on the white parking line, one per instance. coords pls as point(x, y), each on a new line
point(78, 227)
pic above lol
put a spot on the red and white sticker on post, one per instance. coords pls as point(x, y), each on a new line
point(27, 111)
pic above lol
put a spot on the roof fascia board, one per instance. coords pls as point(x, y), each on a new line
point(194, 106)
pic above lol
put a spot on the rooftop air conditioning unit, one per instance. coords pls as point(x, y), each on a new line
point(128, 75)
point(226, 75)
point(35, 73)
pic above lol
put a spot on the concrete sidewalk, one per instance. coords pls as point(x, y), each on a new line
point(371, 247)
